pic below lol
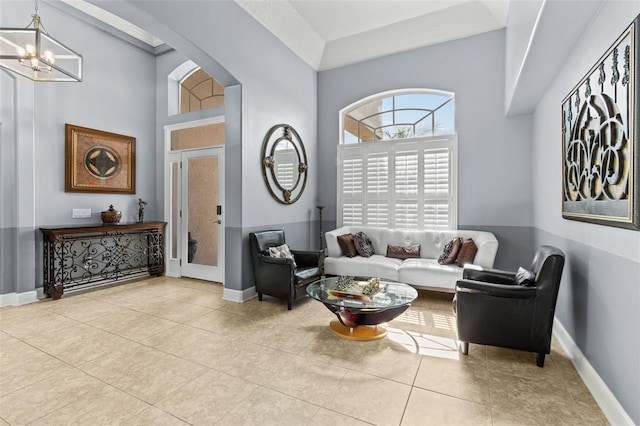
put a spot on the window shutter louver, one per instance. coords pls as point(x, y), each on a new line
point(403, 184)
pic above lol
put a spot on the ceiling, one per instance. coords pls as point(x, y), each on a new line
point(331, 33)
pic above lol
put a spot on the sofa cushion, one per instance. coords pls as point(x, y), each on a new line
point(428, 273)
point(450, 253)
point(375, 266)
point(467, 252)
point(363, 244)
point(346, 245)
point(403, 252)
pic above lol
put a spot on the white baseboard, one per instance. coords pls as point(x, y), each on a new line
point(608, 403)
point(17, 299)
point(238, 295)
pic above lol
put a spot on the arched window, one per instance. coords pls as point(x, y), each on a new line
point(199, 90)
point(397, 161)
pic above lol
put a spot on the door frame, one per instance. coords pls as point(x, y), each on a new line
point(172, 264)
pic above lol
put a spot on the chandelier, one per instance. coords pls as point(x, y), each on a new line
point(33, 53)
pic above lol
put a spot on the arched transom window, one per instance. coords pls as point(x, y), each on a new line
point(397, 161)
point(199, 90)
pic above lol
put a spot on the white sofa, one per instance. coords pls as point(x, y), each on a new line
point(424, 272)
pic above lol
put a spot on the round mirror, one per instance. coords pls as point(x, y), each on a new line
point(284, 163)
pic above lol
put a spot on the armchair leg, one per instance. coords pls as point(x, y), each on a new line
point(289, 303)
point(260, 297)
point(464, 348)
point(540, 360)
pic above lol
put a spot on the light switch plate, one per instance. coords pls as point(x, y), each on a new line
point(80, 213)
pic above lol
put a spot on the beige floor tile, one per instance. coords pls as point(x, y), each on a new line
point(326, 417)
point(172, 310)
point(104, 406)
point(19, 323)
point(22, 365)
point(387, 359)
point(46, 396)
point(465, 378)
point(143, 372)
point(267, 407)
point(152, 416)
point(370, 399)
point(132, 324)
point(78, 344)
point(206, 368)
point(209, 286)
point(82, 308)
point(185, 341)
point(195, 297)
point(302, 379)
point(207, 399)
point(249, 361)
point(332, 350)
point(543, 398)
point(501, 418)
point(220, 321)
point(518, 363)
point(431, 408)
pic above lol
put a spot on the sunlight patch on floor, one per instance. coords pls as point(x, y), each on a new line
point(412, 317)
point(444, 322)
point(424, 344)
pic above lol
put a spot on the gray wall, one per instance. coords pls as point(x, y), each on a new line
point(277, 87)
point(116, 95)
point(599, 300)
point(494, 168)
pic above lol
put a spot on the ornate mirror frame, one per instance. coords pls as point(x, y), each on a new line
point(283, 194)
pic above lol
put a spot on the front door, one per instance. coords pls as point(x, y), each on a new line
point(201, 205)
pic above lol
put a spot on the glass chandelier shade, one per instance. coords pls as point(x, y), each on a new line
point(33, 53)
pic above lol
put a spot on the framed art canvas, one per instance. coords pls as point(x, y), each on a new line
point(600, 133)
point(98, 161)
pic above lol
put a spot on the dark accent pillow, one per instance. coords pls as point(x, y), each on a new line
point(363, 244)
point(399, 252)
point(525, 277)
point(467, 252)
point(346, 245)
point(450, 253)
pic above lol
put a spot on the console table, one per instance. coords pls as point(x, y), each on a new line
point(79, 257)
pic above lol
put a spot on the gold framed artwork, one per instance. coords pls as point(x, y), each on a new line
point(600, 139)
point(98, 161)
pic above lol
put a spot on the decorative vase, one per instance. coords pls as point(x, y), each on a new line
point(111, 216)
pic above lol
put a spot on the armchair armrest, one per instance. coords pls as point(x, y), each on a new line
point(307, 257)
point(496, 290)
point(497, 276)
point(276, 261)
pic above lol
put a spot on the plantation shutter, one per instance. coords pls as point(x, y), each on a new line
point(406, 189)
point(436, 188)
point(397, 184)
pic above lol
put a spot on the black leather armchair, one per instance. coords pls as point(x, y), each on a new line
point(276, 276)
point(492, 309)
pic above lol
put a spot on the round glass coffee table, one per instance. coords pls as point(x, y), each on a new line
point(359, 315)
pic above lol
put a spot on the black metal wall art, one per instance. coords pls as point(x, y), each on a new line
point(600, 133)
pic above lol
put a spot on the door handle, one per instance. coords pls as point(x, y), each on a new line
point(219, 221)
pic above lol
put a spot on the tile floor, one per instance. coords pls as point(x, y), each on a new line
point(166, 351)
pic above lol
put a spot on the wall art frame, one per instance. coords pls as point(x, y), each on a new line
point(99, 162)
point(601, 139)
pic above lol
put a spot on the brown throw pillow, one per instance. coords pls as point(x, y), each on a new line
point(346, 245)
point(400, 252)
point(451, 251)
point(467, 252)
